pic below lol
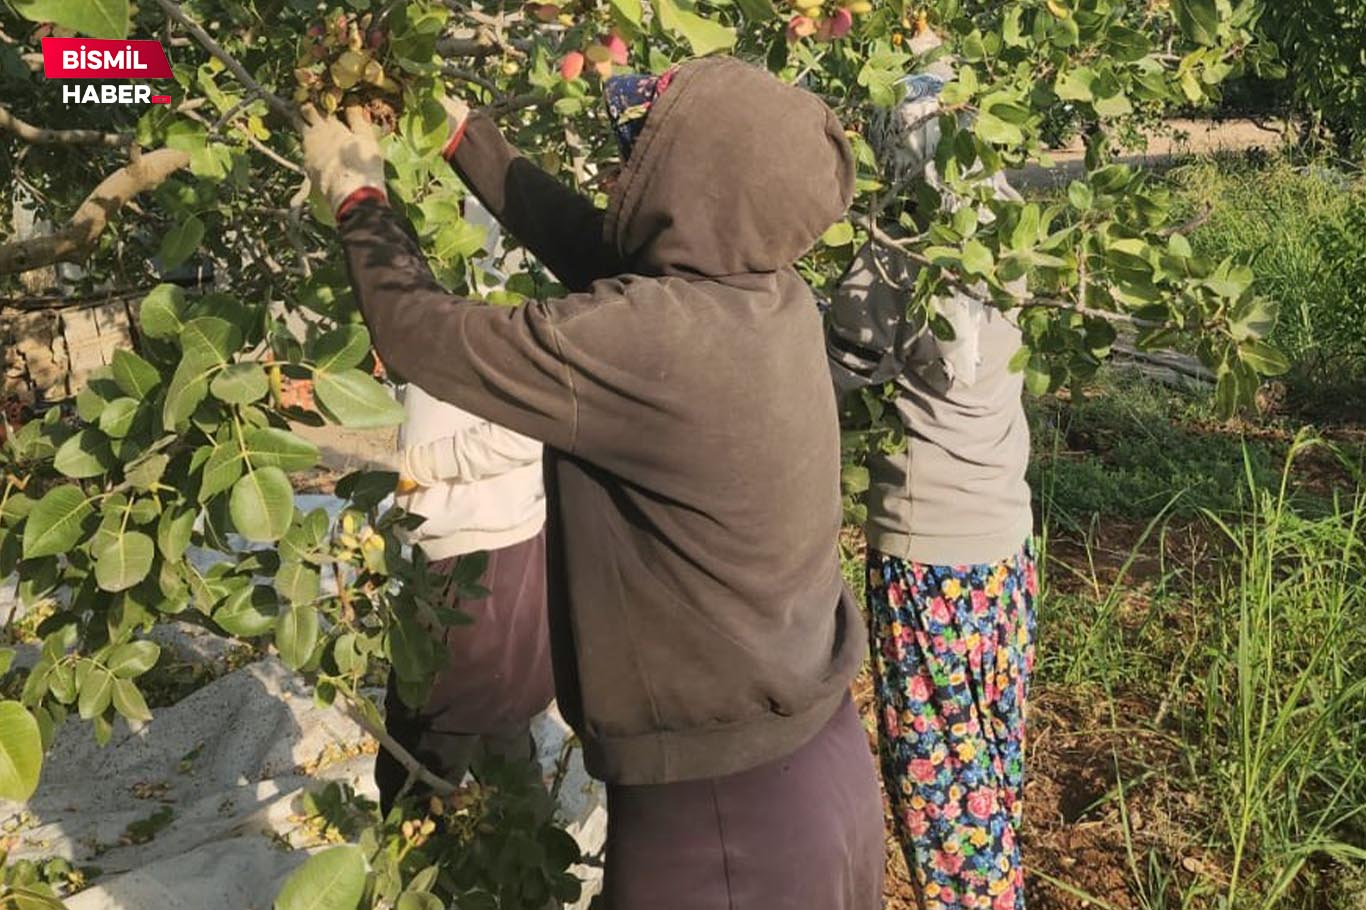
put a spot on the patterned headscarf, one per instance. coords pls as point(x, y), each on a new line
point(629, 98)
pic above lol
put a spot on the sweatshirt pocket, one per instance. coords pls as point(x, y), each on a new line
point(679, 665)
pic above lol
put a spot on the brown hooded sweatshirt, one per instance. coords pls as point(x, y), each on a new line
point(698, 619)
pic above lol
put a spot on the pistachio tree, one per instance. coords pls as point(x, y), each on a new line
point(201, 212)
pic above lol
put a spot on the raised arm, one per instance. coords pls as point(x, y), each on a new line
point(499, 363)
point(484, 450)
point(561, 228)
point(867, 332)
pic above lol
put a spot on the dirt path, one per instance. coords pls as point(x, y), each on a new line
point(1178, 139)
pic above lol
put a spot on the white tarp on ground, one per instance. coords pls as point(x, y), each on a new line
point(257, 740)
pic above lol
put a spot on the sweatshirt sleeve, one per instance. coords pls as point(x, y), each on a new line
point(866, 328)
point(500, 363)
point(485, 450)
point(560, 227)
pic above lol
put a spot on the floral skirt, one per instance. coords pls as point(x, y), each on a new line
point(953, 647)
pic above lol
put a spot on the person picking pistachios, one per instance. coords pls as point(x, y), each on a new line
point(702, 638)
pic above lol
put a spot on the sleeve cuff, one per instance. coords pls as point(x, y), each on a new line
point(357, 196)
point(449, 151)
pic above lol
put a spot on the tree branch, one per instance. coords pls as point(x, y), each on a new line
point(411, 764)
point(253, 142)
point(74, 302)
point(37, 135)
point(465, 75)
point(517, 103)
point(75, 241)
point(279, 105)
point(886, 240)
point(480, 46)
point(1199, 219)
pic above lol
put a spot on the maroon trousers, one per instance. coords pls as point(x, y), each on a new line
point(496, 680)
point(801, 833)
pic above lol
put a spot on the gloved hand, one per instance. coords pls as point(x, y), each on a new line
point(457, 112)
point(341, 158)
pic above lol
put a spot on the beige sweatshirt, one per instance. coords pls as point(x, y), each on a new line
point(479, 485)
point(956, 495)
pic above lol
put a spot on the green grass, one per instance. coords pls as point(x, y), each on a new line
point(1301, 228)
point(1252, 655)
point(1129, 449)
point(1187, 571)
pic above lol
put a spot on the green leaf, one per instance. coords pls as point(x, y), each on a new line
point(16, 507)
point(409, 649)
point(341, 349)
point(297, 582)
point(1080, 195)
point(173, 532)
point(1253, 317)
point(1038, 378)
point(841, 233)
point(161, 314)
point(133, 659)
point(146, 472)
point(84, 455)
point(180, 242)
point(241, 383)
point(757, 10)
point(365, 489)
point(210, 341)
point(1075, 84)
point(249, 611)
point(704, 36)
point(93, 18)
point(347, 658)
point(965, 221)
point(977, 259)
point(124, 562)
point(1127, 45)
point(331, 880)
point(273, 447)
point(1113, 106)
point(1026, 232)
point(354, 399)
point(262, 504)
point(221, 471)
point(1263, 358)
point(1226, 393)
point(116, 418)
point(630, 12)
point(54, 525)
point(21, 752)
point(296, 634)
point(97, 691)
point(189, 386)
point(854, 479)
point(995, 130)
point(414, 900)
point(129, 702)
point(135, 377)
point(1199, 19)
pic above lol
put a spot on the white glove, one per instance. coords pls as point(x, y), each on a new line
point(341, 158)
point(457, 112)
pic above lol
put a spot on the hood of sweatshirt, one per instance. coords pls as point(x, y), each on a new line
point(734, 172)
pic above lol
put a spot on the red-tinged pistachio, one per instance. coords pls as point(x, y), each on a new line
point(571, 67)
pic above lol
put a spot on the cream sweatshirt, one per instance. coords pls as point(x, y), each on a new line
point(479, 485)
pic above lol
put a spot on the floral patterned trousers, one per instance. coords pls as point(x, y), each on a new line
point(953, 647)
